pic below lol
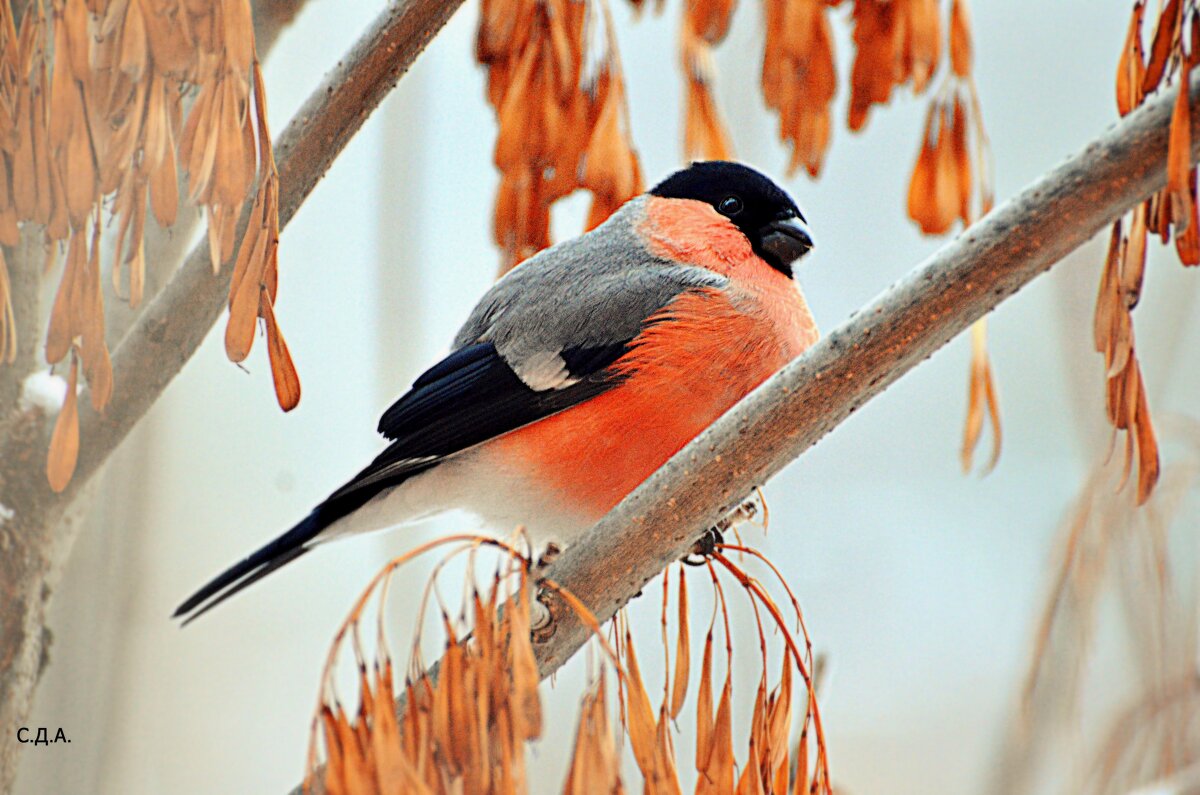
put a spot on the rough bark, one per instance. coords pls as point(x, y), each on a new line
point(34, 543)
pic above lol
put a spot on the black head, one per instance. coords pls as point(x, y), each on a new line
point(756, 205)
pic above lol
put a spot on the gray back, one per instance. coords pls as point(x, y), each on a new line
point(590, 291)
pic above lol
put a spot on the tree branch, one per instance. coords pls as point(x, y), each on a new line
point(161, 340)
point(959, 284)
point(658, 523)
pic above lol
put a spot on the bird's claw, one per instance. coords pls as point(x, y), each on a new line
point(540, 618)
point(705, 546)
point(714, 537)
point(549, 554)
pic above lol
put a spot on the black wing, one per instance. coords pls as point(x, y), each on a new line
point(469, 397)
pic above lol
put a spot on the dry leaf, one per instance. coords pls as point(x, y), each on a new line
point(639, 713)
point(683, 652)
point(933, 196)
point(962, 160)
point(921, 42)
point(610, 167)
point(1166, 33)
point(704, 134)
point(666, 777)
point(595, 763)
point(960, 38)
point(1187, 244)
point(717, 777)
point(1131, 68)
point(799, 78)
point(877, 58)
point(704, 708)
point(981, 396)
point(800, 783)
point(64, 442)
point(1148, 461)
point(1179, 156)
point(283, 370)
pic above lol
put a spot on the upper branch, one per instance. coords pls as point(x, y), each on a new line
point(788, 414)
point(174, 324)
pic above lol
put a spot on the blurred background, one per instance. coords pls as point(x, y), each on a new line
point(922, 587)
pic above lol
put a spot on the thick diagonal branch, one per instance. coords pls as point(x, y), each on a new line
point(885, 339)
point(161, 340)
point(658, 523)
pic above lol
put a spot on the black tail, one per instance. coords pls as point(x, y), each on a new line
point(281, 551)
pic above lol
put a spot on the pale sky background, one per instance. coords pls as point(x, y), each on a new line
point(920, 584)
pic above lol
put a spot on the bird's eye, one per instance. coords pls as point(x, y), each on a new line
point(730, 205)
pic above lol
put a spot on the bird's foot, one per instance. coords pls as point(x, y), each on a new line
point(704, 548)
point(548, 556)
point(541, 622)
point(540, 619)
point(714, 537)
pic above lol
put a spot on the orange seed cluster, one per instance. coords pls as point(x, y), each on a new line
point(100, 129)
point(705, 24)
point(799, 79)
point(896, 42)
point(1174, 51)
point(950, 180)
point(560, 128)
point(466, 729)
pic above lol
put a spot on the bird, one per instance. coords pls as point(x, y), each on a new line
point(582, 371)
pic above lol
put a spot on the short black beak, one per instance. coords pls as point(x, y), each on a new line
point(786, 240)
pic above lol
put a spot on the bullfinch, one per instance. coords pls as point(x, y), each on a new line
point(581, 371)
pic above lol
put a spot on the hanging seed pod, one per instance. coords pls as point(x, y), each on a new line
point(682, 652)
point(1166, 34)
point(64, 442)
point(799, 79)
point(704, 132)
point(960, 39)
point(96, 123)
point(559, 128)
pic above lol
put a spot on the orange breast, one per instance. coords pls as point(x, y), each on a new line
point(683, 373)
